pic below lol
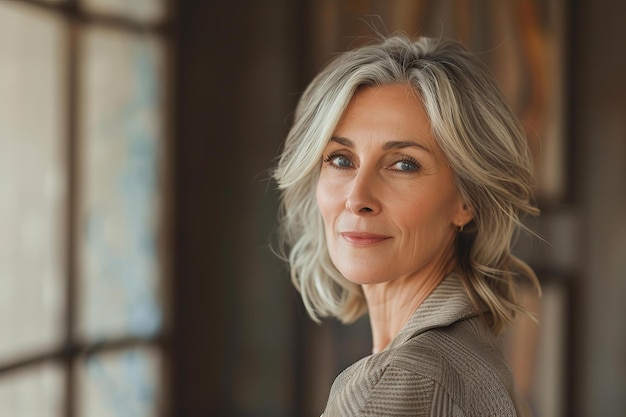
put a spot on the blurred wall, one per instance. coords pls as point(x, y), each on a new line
point(234, 342)
point(598, 127)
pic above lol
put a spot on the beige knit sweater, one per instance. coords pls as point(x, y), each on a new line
point(444, 362)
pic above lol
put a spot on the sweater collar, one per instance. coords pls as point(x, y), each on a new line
point(447, 304)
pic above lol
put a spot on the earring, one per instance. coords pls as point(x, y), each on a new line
point(460, 227)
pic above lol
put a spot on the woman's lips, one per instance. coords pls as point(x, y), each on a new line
point(363, 239)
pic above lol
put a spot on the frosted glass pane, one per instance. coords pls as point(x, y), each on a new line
point(141, 10)
point(37, 391)
point(121, 201)
point(32, 179)
point(121, 384)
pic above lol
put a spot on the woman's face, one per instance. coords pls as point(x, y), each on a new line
point(386, 192)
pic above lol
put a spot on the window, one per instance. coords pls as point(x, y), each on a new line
point(83, 175)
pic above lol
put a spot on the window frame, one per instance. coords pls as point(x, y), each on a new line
point(73, 350)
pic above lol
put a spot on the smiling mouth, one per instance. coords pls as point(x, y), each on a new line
point(363, 239)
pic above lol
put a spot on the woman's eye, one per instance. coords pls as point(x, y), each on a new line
point(342, 162)
point(339, 161)
point(405, 166)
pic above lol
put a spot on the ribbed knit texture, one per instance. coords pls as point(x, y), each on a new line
point(444, 362)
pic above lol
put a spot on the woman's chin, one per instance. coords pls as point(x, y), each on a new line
point(365, 277)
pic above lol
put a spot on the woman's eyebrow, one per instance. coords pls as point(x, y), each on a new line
point(394, 144)
point(399, 144)
point(342, 141)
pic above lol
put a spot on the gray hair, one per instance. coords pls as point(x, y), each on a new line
point(477, 132)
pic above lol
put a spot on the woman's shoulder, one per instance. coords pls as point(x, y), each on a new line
point(464, 341)
point(464, 361)
point(458, 366)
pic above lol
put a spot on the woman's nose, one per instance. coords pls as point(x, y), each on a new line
point(362, 198)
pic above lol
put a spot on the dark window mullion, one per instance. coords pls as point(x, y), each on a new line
point(72, 83)
point(76, 349)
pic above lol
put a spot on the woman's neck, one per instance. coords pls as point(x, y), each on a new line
point(391, 304)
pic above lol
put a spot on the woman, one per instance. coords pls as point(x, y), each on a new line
point(402, 182)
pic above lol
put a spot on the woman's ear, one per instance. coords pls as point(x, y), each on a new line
point(464, 214)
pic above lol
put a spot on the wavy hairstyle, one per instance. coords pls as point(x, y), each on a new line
point(482, 140)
